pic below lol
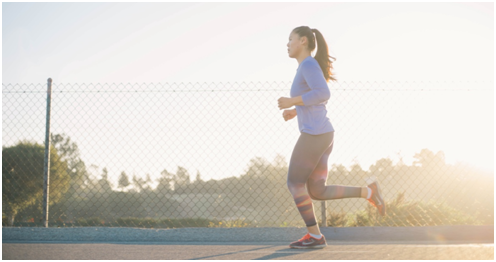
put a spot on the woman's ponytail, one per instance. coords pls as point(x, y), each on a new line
point(322, 56)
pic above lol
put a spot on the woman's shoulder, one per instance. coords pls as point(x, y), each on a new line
point(309, 63)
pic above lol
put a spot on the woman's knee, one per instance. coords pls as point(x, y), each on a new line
point(315, 192)
point(295, 188)
point(313, 195)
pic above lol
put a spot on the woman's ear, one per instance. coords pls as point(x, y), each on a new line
point(303, 40)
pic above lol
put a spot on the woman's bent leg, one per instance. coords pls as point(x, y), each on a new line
point(306, 156)
point(318, 189)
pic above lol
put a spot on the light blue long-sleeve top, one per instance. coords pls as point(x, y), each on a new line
point(310, 84)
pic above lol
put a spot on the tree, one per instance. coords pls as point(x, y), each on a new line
point(76, 168)
point(257, 167)
point(181, 180)
point(182, 176)
point(123, 180)
point(138, 183)
point(279, 161)
point(382, 168)
point(148, 182)
point(357, 173)
point(104, 182)
point(198, 177)
point(164, 182)
point(22, 177)
point(428, 159)
point(337, 174)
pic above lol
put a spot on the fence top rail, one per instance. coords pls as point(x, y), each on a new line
point(245, 87)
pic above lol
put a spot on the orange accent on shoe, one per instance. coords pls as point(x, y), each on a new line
point(371, 202)
point(307, 236)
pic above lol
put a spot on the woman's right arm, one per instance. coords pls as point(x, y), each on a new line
point(289, 114)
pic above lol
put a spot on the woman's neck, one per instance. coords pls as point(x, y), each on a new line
point(303, 56)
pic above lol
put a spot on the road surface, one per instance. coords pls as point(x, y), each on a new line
point(246, 251)
point(378, 243)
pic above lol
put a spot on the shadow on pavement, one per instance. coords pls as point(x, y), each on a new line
point(233, 253)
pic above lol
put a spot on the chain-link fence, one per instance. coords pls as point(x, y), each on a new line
point(215, 154)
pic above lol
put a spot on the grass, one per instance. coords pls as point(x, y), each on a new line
point(231, 223)
point(141, 223)
point(400, 212)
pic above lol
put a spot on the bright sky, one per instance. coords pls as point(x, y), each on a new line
point(206, 42)
point(246, 42)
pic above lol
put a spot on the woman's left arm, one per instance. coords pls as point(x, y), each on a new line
point(315, 79)
point(319, 91)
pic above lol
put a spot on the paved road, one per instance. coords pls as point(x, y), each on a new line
point(438, 242)
point(247, 251)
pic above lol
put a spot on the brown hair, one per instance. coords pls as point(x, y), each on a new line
point(322, 56)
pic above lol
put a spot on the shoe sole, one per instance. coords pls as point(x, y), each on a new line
point(309, 247)
point(382, 199)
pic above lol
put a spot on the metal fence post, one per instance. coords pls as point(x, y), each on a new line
point(46, 180)
point(324, 214)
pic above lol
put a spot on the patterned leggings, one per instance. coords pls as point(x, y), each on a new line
point(308, 167)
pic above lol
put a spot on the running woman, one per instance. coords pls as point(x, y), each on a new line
point(307, 172)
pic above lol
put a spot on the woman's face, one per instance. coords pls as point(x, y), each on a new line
point(295, 45)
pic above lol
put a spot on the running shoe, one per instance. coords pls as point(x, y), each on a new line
point(309, 242)
point(376, 198)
